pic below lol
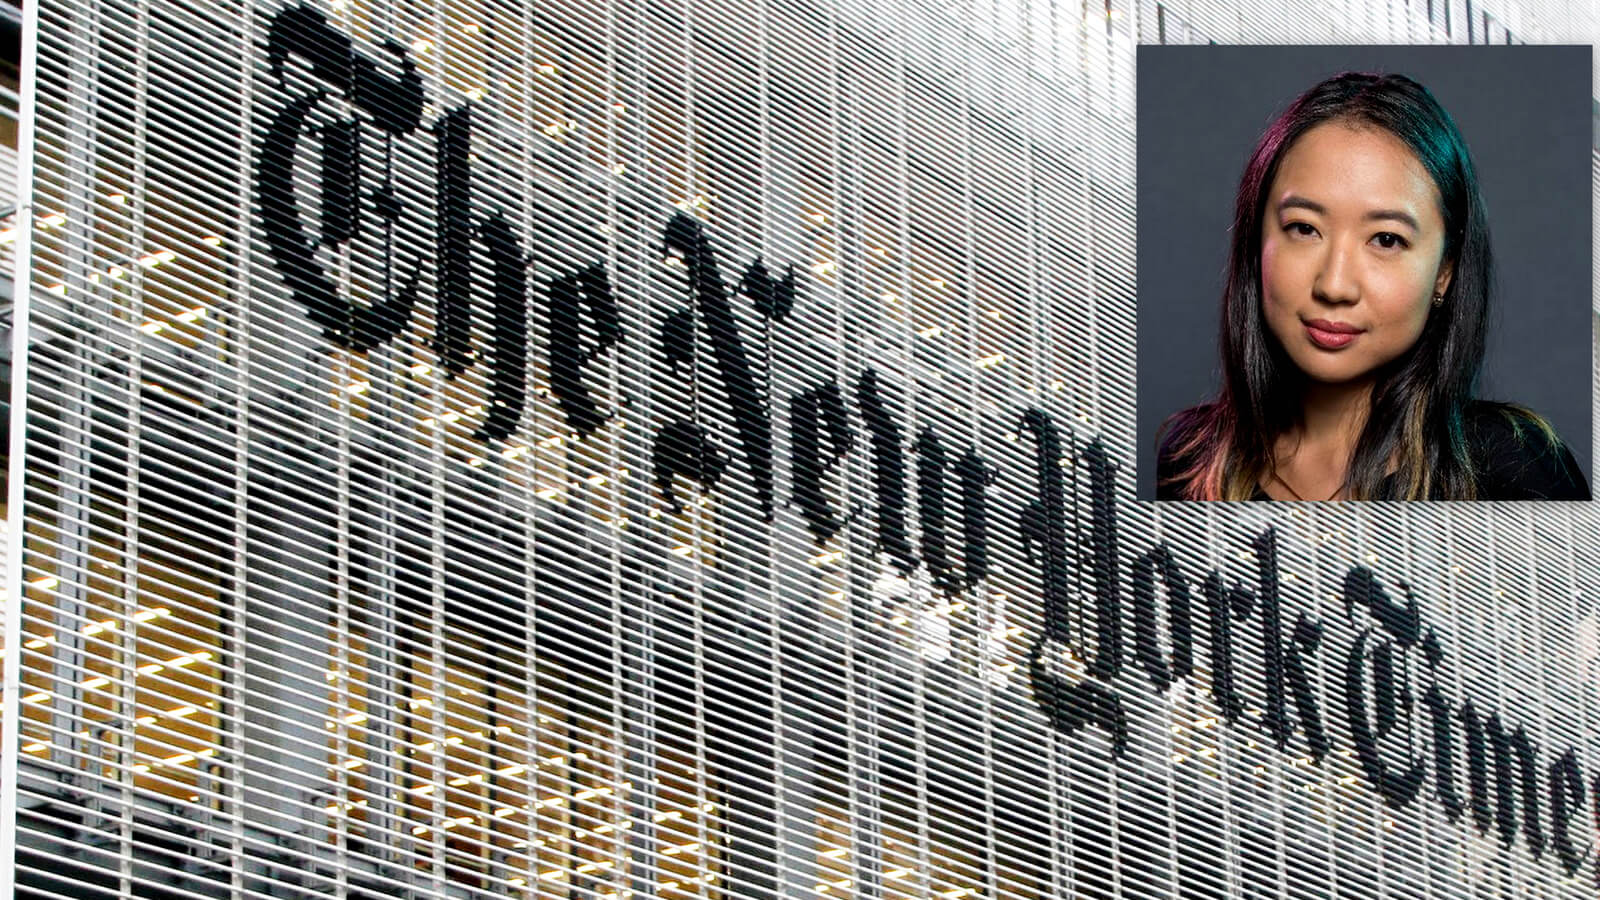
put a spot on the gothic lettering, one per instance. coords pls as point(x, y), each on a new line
point(348, 119)
point(1504, 760)
point(1444, 753)
point(395, 106)
point(571, 295)
point(888, 473)
point(508, 349)
point(452, 337)
point(933, 469)
point(1287, 674)
point(820, 420)
point(683, 448)
point(1387, 720)
point(1566, 804)
point(1159, 561)
point(1069, 704)
point(1224, 605)
point(685, 235)
point(1103, 560)
point(976, 477)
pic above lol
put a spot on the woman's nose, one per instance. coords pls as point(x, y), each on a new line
point(1339, 278)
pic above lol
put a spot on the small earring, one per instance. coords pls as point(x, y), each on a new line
point(1438, 300)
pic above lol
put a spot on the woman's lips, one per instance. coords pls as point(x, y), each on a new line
point(1331, 335)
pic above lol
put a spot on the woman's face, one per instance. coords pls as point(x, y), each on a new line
point(1351, 248)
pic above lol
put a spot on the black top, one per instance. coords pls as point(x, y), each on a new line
point(1511, 455)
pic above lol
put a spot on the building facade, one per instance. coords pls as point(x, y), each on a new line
point(638, 449)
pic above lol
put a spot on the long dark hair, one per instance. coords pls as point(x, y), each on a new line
point(1419, 400)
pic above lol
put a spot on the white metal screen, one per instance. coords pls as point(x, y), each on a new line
point(661, 449)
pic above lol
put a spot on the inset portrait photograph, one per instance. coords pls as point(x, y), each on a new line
point(1364, 273)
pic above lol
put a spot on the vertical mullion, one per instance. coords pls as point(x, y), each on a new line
point(783, 829)
point(525, 864)
point(385, 497)
point(241, 334)
point(11, 619)
point(701, 540)
point(1586, 723)
point(341, 372)
point(68, 749)
point(646, 762)
point(136, 501)
point(907, 343)
point(859, 665)
point(437, 684)
point(962, 838)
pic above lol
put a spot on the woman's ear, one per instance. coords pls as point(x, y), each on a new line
point(1447, 269)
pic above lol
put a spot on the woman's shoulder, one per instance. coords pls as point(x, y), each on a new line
point(1518, 456)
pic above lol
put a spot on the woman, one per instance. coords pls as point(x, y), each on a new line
point(1353, 321)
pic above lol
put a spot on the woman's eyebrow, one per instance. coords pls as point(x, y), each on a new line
point(1396, 215)
point(1295, 201)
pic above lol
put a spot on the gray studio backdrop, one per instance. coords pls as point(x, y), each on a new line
point(1526, 114)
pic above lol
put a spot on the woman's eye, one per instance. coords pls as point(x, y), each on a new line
point(1388, 240)
point(1300, 229)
